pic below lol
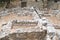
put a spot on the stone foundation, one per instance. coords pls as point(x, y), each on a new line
point(26, 36)
point(17, 29)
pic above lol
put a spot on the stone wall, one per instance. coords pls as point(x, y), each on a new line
point(29, 3)
point(39, 4)
point(26, 36)
point(54, 5)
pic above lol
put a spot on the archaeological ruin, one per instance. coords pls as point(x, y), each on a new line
point(30, 20)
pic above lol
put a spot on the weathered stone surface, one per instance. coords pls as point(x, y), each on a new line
point(26, 36)
point(11, 29)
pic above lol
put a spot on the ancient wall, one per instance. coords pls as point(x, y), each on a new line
point(29, 3)
point(15, 29)
point(37, 4)
point(26, 36)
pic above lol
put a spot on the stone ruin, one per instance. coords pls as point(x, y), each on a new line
point(22, 29)
point(22, 23)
